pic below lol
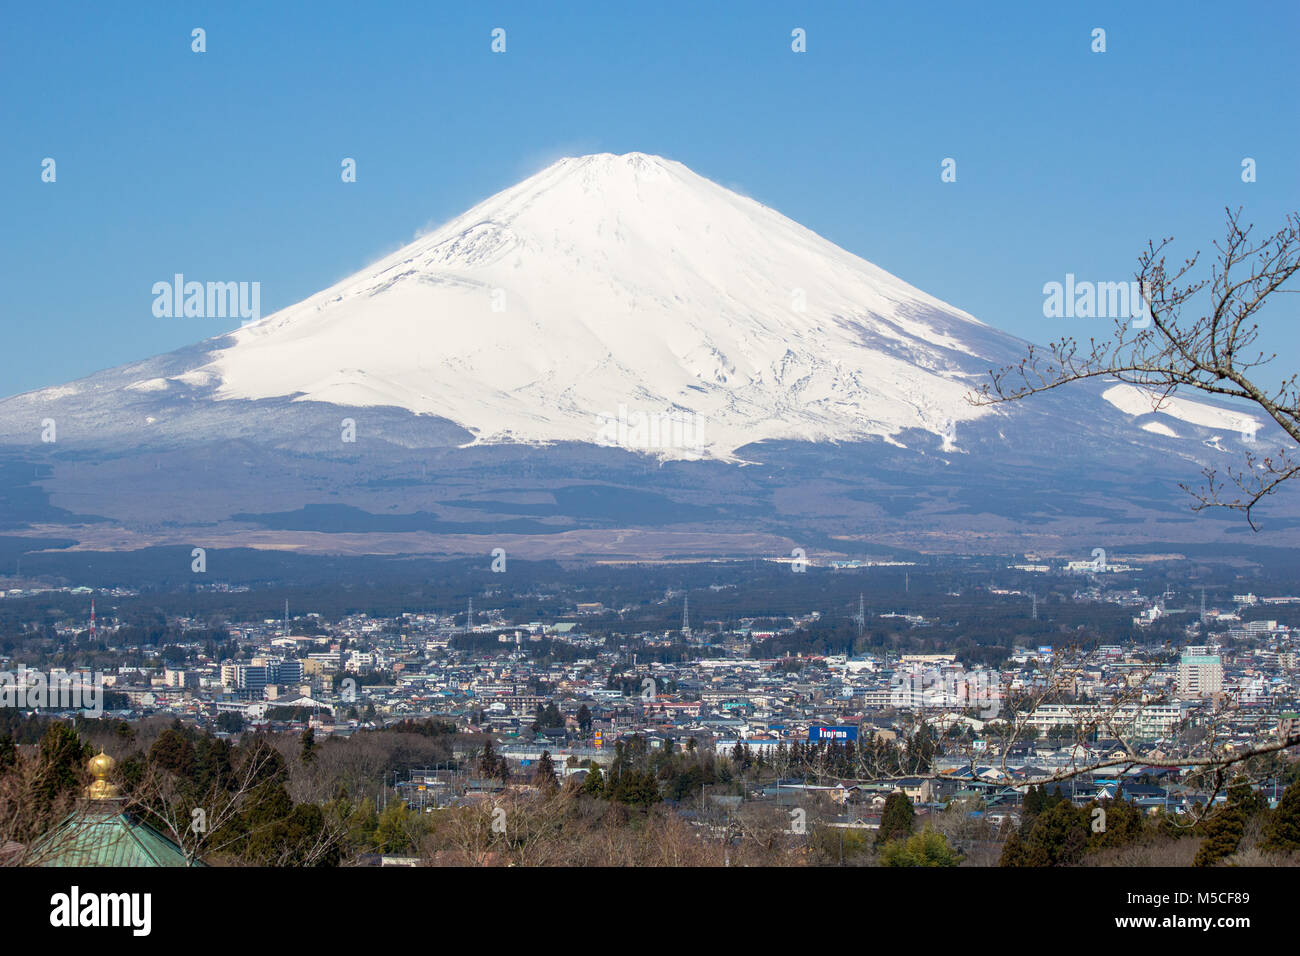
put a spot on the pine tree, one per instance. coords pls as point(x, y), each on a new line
point(1013, 852)
point(637, 788)
point(551, 716)
point(897, 820)
point(594, 784)
point(62, 757)
point(1124, 824)
point(544, 777)
point(1282, 835)
point(308, 746)
point(173, 752)
point(1227, 824)
point(1059, 836)
point(1033, 803)
point(1223, 832)
point(487, 761)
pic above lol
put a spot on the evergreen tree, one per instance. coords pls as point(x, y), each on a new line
point(264, 761)
point(594, 784)
point(1282, 835)
point(308, 746)
point(1033, 805)
point(1223, 832)
point(636, 788)
point(392, 835)
point(1059, 835)
point(302, 833)
point(213, 765)
point(1124, 824)
point(1013, 852)
point(584, 719)
point(1226, 825)
point(62, 757)
point(551, 716)
point(544, 777)
point(487, 760)
point(172, 751)
point(897, 820)
point(230, 722)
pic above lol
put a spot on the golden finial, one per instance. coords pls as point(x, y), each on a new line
point(100, 767)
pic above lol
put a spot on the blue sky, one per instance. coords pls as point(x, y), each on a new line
point(225, 165)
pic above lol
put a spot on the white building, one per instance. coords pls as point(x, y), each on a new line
point(1199, 675)
point(1145, 720)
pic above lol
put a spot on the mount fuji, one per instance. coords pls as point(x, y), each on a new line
point(616, 356)
point(630, 281)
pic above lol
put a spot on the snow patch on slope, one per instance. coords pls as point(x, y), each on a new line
point(149, 385)
point(1133, 400)
point(1160, 428)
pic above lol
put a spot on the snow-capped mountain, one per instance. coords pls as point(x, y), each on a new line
point(616, 301)
point(630, 282)
point(610, 291)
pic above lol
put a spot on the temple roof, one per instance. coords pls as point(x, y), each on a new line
point(108, 837)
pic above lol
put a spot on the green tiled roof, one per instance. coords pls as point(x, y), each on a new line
point(108, 837)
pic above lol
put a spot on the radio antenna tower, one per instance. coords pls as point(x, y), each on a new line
point(286, 617)
point(862, 613)
point(1035, 597)
point(469, 617)
point(686, 615)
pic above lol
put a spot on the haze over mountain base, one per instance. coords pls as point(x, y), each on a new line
point(573, 500)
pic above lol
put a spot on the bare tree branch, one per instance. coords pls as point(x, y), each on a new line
point(1214, 353)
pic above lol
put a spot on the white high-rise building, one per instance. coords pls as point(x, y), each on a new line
point(1200, 675)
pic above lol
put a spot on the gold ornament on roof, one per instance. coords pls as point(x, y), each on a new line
point(100, 767)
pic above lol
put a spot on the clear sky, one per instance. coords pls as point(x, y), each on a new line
point(225, 165)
